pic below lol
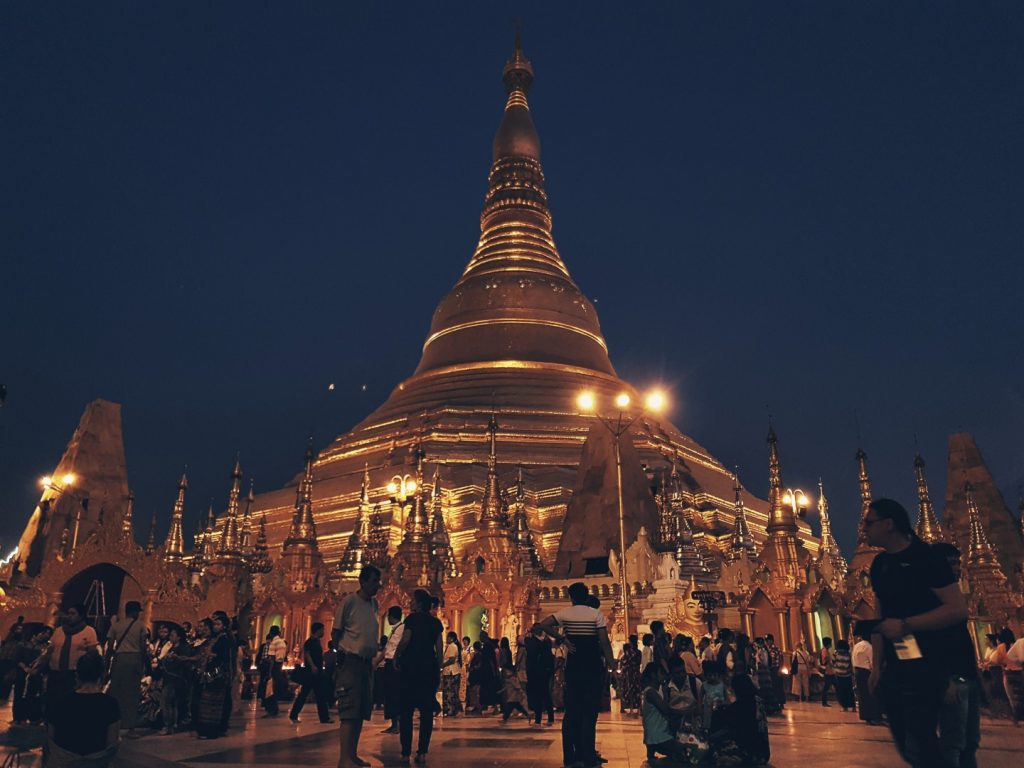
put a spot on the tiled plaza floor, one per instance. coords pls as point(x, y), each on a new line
point(808, 736)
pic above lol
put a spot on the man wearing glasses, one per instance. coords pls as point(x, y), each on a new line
point(922, 652)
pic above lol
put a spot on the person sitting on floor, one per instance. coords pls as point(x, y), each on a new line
point(659, 737)
point(739, 731)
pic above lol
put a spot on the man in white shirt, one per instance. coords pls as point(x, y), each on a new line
point(356, 636)
point(586, 633)
point(867, 708)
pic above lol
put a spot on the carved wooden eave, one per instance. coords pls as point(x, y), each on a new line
point(481, 590)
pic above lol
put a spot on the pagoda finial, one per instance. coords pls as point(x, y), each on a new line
point(442, 557)
point(741, 540)
point(303, 528)
point(228, 548)
point(864, 480)
point(980, 551)
point(928, 527)
point(781, 516)
point(174, 544)
point(356, 553)
point(126, 521)
point(829, 548)
point(260, 561)
point(151, 541)
point(490, 510)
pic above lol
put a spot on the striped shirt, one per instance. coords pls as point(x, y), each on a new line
point(581, 623)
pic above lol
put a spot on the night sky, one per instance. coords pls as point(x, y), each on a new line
point(212, 211)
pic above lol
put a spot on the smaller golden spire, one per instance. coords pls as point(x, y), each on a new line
point(829, 548)
point(980, 551)
point(126, 521)
point(228, 547)
point(928, 527)
point(864, 481)
point(357, 548)
point(174, 544)
point(260, 561)
point(741, 540)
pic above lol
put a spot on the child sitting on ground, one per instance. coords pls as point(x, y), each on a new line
point(659, 736)
point(512, 694)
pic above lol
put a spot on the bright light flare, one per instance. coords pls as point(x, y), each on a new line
point(622, 401)
point(68, 479)
point(655, 401)
point(410, 486)
point(46, 481)
point(392, 488)
point(585, 401)
point(788, 499)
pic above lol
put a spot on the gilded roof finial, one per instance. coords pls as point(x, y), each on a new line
point(864, 480)
point(260, 561)
point(126, 521)
point(741, 539)
point(357, 549)
point(928, 527)
point(980, 548)
point(303, 528)
point(174, 544)
point(829, 548)
point(228, 548)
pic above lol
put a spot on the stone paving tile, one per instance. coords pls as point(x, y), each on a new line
point(808, 736)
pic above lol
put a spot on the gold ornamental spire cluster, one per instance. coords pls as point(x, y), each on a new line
point(303, 530)
point(829, 547)
point(522, 537)
point(781, 516)
point(928, 527)
point(354, 556)
point(864, 481)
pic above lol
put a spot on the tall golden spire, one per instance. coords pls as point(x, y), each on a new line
point(442, 557)
point(829, 548)
point(126, 521)
point(174, 544)
point(303, 528)
point(928, 527)
point(354, 556)
point(781, 516)
point(515, 299)
point(245, 533)
point(990, 595)
point(865, 494)
point(780, 548)
point(741, 540)
point(260, 561)
point(490, 507)
point(228, 547)
point(522, 537)
point(981, 551)
point(412, 557)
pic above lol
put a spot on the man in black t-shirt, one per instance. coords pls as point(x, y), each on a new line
point(922, 652)
point(314, 680)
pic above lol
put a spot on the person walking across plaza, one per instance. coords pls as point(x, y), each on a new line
point(775, 664)
point(540, 666)
point(418, 661)
point(590, 656)
point(800, 670)
point(127, 662)
point(867, 704)
point(273, 654)
point(355, 636)
point(451, 674)
point(826, 665)
point(923, 655)
point(314, 681)
point(843, 668)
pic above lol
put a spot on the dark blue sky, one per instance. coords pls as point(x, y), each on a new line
point(211, 211)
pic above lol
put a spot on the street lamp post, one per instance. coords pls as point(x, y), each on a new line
point(400, 489)
point(796, 500)
point(654, 402)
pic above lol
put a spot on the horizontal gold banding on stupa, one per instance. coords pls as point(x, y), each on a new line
point(513, 321)
point(517, 99)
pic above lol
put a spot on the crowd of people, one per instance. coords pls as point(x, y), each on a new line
point(702, 700)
